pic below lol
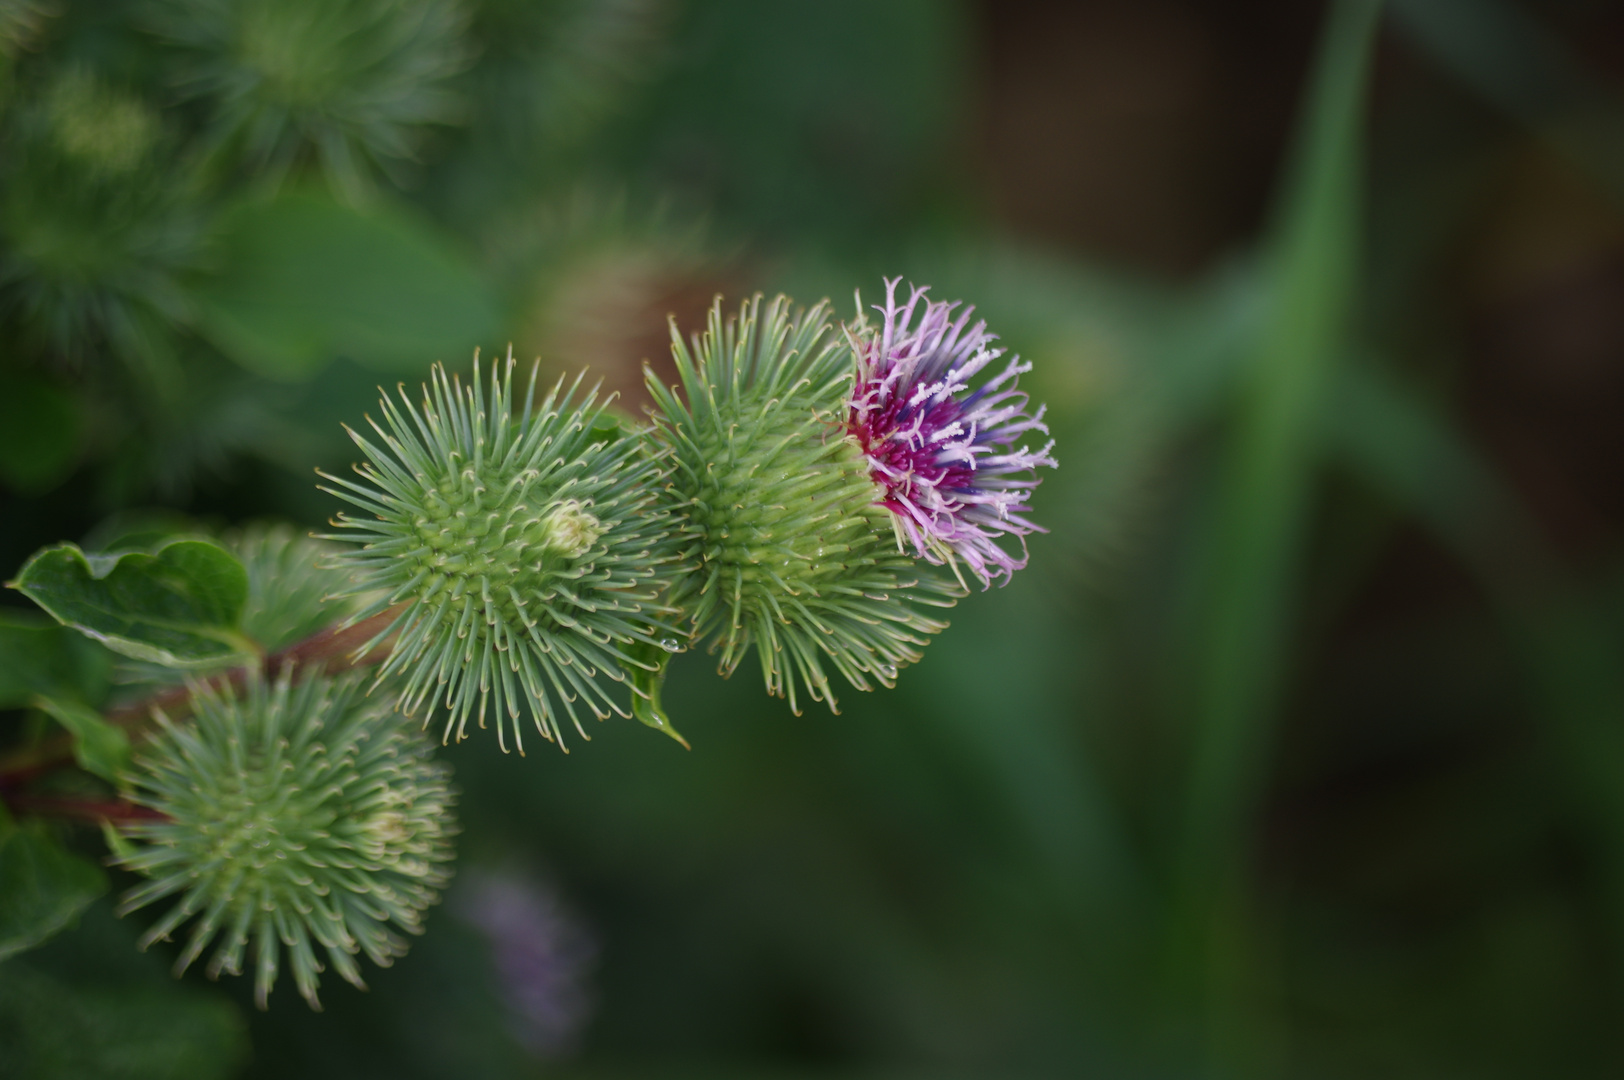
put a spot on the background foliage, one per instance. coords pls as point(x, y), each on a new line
point(1298, 749)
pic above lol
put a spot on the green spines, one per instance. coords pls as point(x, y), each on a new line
point(289, 583)
point(521, 547)
point(787, 549)
point(307, 816)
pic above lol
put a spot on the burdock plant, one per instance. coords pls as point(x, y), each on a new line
point(817, 492)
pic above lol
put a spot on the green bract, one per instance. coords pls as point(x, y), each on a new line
point(289, 583)
point(788, 549)
point(526, 552)
point(302, 814)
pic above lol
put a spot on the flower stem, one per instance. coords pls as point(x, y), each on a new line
point(91, 810)
point(333, 649)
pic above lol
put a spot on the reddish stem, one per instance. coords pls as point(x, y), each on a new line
point(333, 648)
point(75, 809)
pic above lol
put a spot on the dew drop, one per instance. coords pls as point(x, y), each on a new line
point(670, 644)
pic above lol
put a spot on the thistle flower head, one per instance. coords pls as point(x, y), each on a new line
point(301, 816)
point(519, 544)
point(788, 550)
point(942, 452)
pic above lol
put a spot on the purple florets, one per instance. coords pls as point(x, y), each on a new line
point(944, 453)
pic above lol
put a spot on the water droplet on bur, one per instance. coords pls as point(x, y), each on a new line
point(670, 644)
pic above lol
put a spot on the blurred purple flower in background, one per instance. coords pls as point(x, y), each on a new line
point(945, 453)
point(542, 956)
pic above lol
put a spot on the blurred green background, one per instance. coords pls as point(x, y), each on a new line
point(1297, 751)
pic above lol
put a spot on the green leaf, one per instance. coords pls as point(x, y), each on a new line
point(43, 888)
point(53, 1030)
point(1252, 558)
point(39, 434)
point(100, 747)
point(1273, 451)
point(178, 605)
point(307, 279)
point(38, 656)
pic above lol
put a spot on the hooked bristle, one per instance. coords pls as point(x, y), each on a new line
point(524, 546)
point(298, 815)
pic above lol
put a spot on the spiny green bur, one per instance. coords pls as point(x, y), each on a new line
point(301, 815)
point(788, 549)
point(522, 547)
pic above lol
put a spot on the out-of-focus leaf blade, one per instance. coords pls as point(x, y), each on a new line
point(1251, 562)
point(178, 605)
point(1568, 649)
point(43, 888)
point(1512, 59)
point(1270, 460)
point(38, 656)
point(50, 1030)
point(100, 747)
point(308, 279)
point(1391, 439)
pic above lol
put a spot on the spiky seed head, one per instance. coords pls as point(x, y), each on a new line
point(98, 228)
point(303, 816)
point(521, 545)
point(107, 132)
point(350, 83)
point(788, 550)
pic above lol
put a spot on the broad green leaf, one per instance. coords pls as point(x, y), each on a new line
point(43, 888)
point(307, 279)
point(178, 605)
point(38, 656)
point(39, 434)
point(99, 747)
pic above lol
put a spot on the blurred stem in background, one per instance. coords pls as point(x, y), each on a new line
point(1250, 572)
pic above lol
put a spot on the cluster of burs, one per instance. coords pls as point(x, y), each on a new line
point(524, 558)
